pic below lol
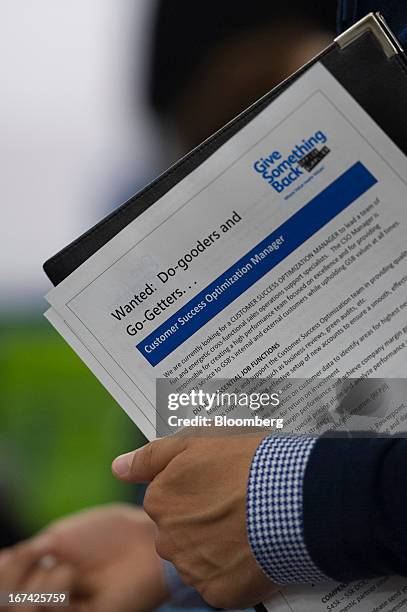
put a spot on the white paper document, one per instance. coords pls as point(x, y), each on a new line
point(283, 254)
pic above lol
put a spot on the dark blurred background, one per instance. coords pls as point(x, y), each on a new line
point(98, 97)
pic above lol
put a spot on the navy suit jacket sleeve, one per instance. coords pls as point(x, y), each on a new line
point(355, 507)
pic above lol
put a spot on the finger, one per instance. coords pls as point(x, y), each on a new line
point(47, 579)
point(17, 562)
point(144, 464)
point(56, 580)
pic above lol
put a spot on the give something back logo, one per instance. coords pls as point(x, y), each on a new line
point(281, 172)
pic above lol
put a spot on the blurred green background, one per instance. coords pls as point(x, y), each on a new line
point(77, 140)
point(60, 429)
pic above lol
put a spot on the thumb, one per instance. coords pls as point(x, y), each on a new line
point(144, 464)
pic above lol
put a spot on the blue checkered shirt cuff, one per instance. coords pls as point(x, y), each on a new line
point(275, 510)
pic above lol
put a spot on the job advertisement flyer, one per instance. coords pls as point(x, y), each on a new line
point(283, 255)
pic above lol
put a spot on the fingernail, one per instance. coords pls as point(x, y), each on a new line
point(121, 465)
point(47, 562)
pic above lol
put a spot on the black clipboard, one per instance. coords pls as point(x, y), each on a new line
point(366, 59)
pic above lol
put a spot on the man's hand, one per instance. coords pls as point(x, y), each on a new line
point(197, 498)
point(105, 557)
